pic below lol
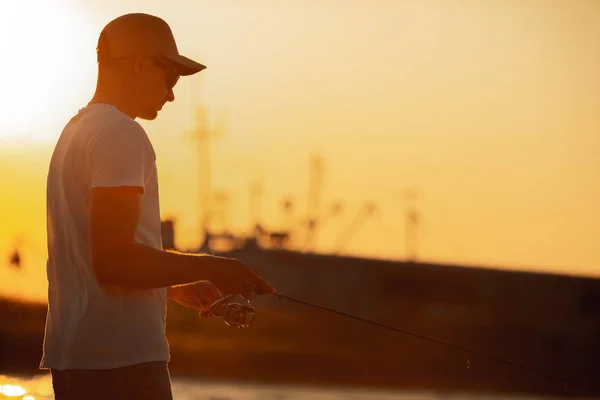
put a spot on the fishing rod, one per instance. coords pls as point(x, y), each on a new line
point(550, 375)
point(241, 316)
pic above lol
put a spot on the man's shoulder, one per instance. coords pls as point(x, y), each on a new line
point(108, 123)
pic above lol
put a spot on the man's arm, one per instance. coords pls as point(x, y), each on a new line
point(173, 293)
point(117, 260)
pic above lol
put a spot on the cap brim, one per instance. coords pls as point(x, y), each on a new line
point(184, 65)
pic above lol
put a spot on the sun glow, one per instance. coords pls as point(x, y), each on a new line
point(45, 54)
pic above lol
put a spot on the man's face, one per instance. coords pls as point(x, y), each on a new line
point(156, 82)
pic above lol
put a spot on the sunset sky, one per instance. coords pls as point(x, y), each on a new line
point(490, 109)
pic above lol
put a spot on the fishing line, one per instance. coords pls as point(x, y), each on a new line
point(431, 339)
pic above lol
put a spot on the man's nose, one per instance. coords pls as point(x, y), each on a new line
point(170, 95)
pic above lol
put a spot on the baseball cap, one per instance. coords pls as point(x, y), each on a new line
point(143, 34)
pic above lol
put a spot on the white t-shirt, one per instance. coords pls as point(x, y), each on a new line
point(89, 327)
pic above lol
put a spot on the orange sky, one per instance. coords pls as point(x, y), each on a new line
point(490, 109)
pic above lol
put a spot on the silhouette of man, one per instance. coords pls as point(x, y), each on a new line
point(109, 278)
point(15, 259)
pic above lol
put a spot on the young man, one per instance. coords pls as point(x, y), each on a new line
point(109, 278)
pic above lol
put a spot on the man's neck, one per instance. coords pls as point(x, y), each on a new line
point(114, 98)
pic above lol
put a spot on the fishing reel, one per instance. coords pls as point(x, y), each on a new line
point(236, 315)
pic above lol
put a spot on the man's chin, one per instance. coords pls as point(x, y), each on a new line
point(148, 115)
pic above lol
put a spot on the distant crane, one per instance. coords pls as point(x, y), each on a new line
point(411, 223)
point(366, 212)
point(280, 239)
point(253, 167)
point(287, 206)
point(314, 198)
point(256, 191)
point(315, 224)
point(202, 133)
point(222, 200)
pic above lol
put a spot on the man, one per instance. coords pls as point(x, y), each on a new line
point(108, 276)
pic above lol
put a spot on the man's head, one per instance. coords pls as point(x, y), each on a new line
point(138, 56)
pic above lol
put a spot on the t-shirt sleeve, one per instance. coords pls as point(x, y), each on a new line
point(118, 156)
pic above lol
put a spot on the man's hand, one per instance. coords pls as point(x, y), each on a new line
point(199, 295)
point(232, 276)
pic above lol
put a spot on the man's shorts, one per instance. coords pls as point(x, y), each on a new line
point(146, 381)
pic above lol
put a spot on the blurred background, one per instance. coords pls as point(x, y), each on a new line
point(429, 164)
